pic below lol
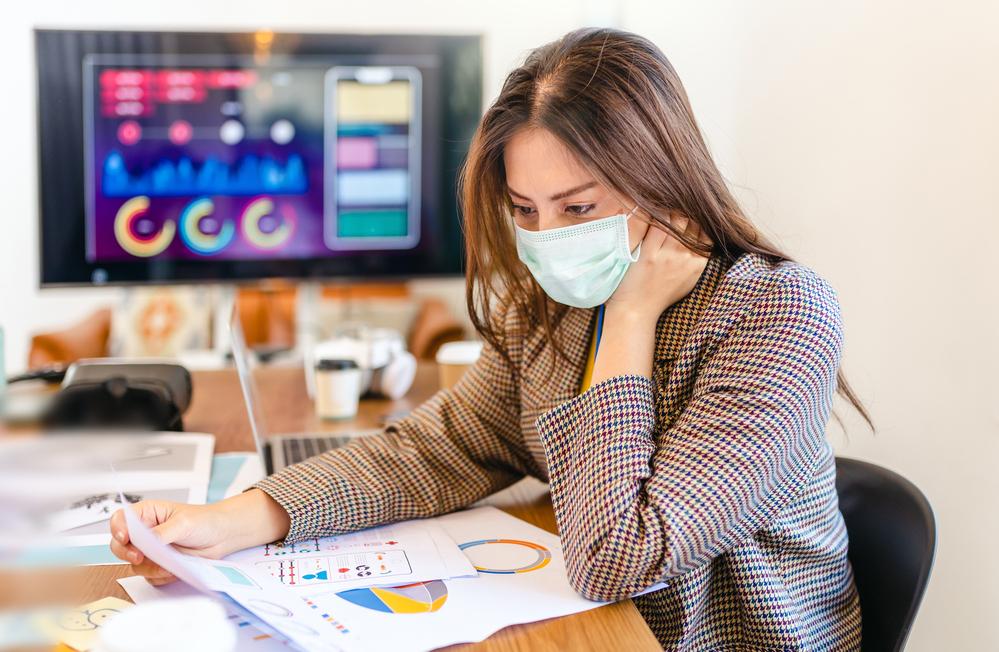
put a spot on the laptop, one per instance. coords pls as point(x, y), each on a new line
point(276, 450)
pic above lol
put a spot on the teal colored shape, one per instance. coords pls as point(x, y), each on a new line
point(233, 575)
point(224, 470)
point(372, 224)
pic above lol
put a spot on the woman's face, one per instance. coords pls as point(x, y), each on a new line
point(549, 188)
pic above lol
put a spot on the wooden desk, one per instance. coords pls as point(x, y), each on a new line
point(217, 407)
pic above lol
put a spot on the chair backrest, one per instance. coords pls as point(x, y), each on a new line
point(892, 537)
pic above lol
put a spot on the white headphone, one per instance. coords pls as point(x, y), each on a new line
point(387, 368)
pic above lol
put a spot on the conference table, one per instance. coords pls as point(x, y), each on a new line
point(217, 407)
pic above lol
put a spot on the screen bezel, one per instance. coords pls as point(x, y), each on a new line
point(62, 264)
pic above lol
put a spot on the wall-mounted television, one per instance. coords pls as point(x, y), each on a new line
point(176, 157)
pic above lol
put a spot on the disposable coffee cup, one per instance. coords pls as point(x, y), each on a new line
point(338, 388)
point(454, 359)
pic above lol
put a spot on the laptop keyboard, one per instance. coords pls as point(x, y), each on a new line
point(296, 450)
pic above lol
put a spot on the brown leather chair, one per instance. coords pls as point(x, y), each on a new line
point(86, 339)
point(268, 315)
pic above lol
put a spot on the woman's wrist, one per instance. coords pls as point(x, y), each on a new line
point(627, 341)
point(630, 317)
point(254, 518)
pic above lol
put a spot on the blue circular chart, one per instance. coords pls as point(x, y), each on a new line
point(543, 556)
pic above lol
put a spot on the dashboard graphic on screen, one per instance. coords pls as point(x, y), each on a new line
point(206, 159)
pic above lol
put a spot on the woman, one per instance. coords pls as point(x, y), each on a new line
point(648, 353)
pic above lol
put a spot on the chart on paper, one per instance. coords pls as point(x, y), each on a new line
point(329, 569)
point(397, 554)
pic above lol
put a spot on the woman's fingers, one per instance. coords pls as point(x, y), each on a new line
point(140, 564)
point(119, 530)
point(151, 571)
point(654, 238)
point(175, 527)
point(126, 552)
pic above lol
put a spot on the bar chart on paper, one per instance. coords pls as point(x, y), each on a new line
point(390, 555)
point(329, 569)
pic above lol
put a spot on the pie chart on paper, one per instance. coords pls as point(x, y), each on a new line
point(506, 556)
point(419, 597)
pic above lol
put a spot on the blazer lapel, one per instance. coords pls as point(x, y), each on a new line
point(556, 383)
point(674, 367)
point(548, 381)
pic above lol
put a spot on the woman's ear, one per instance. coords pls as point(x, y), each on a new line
point(638, 226)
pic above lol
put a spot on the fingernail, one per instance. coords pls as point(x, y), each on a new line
point(134, 556)
point(118, 534)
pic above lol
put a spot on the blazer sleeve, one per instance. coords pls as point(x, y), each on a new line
point(636, 507)
point(461, 445)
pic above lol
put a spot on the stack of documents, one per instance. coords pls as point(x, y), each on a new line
point(417, 585)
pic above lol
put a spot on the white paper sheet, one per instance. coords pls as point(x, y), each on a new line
point(401, 553)
point(41, 476)
point(294, 616)
point(455, 561)
point(252, 633)
point(522, 579)
point(74, 464)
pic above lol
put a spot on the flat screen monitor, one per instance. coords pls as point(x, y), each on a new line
point(174, 157)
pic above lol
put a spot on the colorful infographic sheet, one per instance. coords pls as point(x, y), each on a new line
point(293, 616)
point(521, 578)
point(412, 551)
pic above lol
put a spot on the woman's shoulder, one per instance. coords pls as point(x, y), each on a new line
point(757, 286)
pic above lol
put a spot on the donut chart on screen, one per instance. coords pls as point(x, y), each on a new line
point(193, 235)
point(543, 556)
point(420, 597)
point(133, 243)
point(260, 209)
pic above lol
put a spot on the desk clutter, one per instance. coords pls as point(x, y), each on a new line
point(58, 491)
point(330, 593)
point(415, 585)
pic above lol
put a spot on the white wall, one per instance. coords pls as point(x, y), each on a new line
point(863, 135)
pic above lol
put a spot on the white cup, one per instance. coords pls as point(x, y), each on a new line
point(338, 388)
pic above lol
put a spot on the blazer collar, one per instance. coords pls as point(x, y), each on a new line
point(677, 322)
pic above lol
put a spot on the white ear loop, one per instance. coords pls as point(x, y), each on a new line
point(633, 254)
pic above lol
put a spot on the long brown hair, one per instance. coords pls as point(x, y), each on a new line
point(616, 102)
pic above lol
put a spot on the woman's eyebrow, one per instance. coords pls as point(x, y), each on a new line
point(559, 195)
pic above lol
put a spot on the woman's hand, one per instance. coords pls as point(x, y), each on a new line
point(666, 271)
point(248, 519)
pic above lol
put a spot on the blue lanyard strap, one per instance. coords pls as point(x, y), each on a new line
point(600, 330)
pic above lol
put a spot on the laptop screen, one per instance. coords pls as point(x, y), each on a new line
point(244, 369)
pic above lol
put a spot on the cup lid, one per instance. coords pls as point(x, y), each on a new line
point(337, 364)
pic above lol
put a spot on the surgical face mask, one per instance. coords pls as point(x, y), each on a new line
point(579, 265)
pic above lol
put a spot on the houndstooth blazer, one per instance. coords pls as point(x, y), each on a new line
point(714, 475)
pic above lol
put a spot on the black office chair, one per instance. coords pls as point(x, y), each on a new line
point(892, 537)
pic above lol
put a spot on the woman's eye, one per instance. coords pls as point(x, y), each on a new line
point(525, 211)
point(579, 210)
